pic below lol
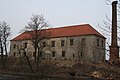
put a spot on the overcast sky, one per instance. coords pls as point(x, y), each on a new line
point(58, 12)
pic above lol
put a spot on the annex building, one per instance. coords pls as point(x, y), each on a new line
point(76, 42)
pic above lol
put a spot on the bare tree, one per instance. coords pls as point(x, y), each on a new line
point(5, 33)
point(36, 27)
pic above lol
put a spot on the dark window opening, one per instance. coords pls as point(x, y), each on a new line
point(83, 42)
point(81, 54)
point(24, 54)
point(62, 43)
point(102, 43)
point(73, 55)
point(97, 42)
point(63, 53)
point(44, 44)
point(34, 54)
point(71, 42)
point(53, 54)
point(14, 54)
point(25, 45)
point(14, 46)
point(53, 43)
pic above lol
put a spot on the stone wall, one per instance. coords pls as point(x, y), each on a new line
point(84, 48)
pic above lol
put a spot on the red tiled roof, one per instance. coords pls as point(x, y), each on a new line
point(75, 30)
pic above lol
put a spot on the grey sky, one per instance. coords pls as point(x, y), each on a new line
point(58, 12)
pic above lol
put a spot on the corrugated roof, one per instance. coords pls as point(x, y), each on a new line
point(74, 30)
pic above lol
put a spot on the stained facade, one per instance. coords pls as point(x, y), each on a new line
point(78, 43)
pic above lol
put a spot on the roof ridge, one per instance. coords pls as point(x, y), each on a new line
point(69, 26)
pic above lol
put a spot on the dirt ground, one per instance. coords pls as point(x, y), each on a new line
point(58, 69)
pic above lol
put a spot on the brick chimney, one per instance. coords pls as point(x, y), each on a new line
point(114, 48)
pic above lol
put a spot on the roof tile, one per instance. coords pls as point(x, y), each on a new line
point(75, 30)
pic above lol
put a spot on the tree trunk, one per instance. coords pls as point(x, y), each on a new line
point(2, 56)
point(6, 54)
point(29, 64)
point(36, 43)
point(37, 65)
point(6, 50)
point(35, 53)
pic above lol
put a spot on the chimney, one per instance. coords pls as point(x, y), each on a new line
point(114, 48)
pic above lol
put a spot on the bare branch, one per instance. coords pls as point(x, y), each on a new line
point(36, 27)
point(108, 18)
point(101, 27)
point(5, 33)
point(108, 2)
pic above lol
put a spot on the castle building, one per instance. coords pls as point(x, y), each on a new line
point(76, 42)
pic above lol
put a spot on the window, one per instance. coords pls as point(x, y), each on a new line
point(97, 42)
point(14, 46)
point(53, 54)
point(24, 54)
point(71, 42)
point(44, 44)
point(25, 45)
point(102, 43)
point(73, 55)
point(53, 43)
point(34, 54)
point(62, 43)
point(83, 41)
point(14, 54)
point(63, 53)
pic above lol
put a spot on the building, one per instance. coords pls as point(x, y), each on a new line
point(76, 42)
